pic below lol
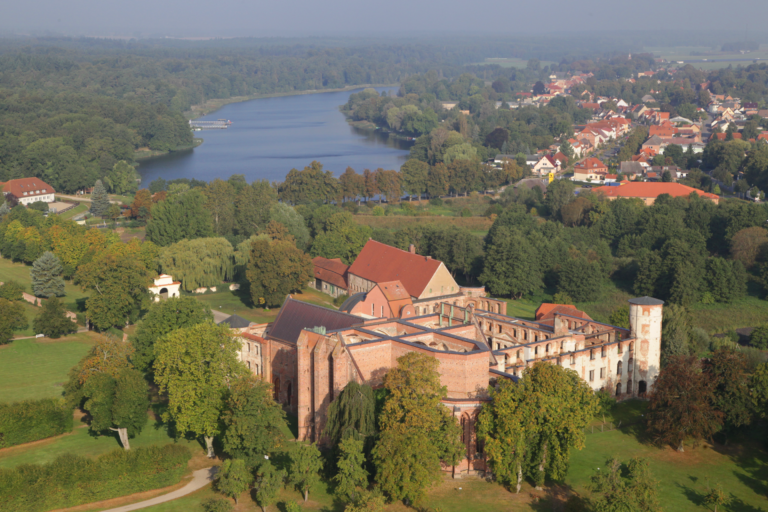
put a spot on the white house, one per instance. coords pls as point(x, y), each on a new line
point(29, 190)
point(164, 288)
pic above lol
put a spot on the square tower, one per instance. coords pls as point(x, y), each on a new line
point(645, 314)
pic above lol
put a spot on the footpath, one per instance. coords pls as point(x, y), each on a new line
point(200, 479)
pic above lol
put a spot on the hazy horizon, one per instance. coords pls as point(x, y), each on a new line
point(345, 18)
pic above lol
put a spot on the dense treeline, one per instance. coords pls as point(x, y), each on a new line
point(681, 250)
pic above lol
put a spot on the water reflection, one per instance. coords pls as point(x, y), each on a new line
point(270, 136)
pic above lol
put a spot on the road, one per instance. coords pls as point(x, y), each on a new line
point(200, 479)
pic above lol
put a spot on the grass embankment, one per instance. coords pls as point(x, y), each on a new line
point(34, 369)
point(77, 210)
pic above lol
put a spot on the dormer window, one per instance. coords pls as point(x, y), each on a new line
point(25, 193)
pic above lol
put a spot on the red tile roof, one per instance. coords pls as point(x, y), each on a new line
point(380, 263)
point(547, 307)
point(294, 316)
point(331, 271)
point(647, 190)
point(590, 164)
point(32, 187)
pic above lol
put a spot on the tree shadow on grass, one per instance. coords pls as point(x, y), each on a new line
point(557, 498)
point(752, 461)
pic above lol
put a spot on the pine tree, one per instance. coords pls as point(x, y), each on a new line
point(52, 319)
point(46, 276)
point(99, 200)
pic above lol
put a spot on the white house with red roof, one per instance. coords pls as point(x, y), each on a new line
point(29, 190)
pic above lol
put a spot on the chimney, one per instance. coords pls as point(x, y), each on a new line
point(428, 257)
point(412, 249)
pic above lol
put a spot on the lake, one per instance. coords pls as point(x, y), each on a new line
point(268, 137)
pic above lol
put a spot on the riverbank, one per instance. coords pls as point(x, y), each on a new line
point(215, 104)
point(146, 153)
point(371, 127)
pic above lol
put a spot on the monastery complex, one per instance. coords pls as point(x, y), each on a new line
point(402, 302)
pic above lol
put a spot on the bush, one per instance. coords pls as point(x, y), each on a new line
point(700, 340)
point(291, 506)
point(378, 211)
point(759, 337)
point(466, 212)
point(11, 290)
point(39, 206)
point(436, 201)
point(217, 505)
point(72, 480)
point(338, 301)
point(32, 420)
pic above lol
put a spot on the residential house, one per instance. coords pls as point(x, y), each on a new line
point(330, 276)
point(589, 169)
point(654, 143)
point(28, 190)
point(632, 170)
point(544, 166)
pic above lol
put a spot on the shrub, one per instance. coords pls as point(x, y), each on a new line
point(759, 337)
point(466, 212)
point(217, 505)
point(32, 420)
point(436, 201)
point(338, 301)
point(72, 480)
point(11, 290)
point(378, 211)
point(292, 506)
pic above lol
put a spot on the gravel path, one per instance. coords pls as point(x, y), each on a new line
point(200, 479)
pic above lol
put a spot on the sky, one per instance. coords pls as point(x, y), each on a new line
point(275, 18)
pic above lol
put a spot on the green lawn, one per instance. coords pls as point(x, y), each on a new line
point(522, 308)
point(31, 369)
point(81, 208)
point(82, 442)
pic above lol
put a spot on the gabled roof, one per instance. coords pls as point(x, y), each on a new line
point(236, 322)
point(331, 271)
point(27, 187)
point(294, 316)
point(589, 164)
point(547, 307)
point(394, 290)
point(653, 141)
point(647, 190)
point(380, 263)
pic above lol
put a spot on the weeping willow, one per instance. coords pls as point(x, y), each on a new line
point(352, 414)
point(199, 263)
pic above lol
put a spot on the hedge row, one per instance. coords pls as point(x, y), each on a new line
point(31, 420)
point(72, 480)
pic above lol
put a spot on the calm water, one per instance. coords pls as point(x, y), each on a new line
point(268, 137)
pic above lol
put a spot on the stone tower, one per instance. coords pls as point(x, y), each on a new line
point(645, 325)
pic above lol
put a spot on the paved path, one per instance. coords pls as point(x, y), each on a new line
point(200, 478)
point(83, 199)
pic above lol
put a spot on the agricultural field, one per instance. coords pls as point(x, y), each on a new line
point(512, 62)
point(715, 58)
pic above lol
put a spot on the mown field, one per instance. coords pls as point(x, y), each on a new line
point(724, 59)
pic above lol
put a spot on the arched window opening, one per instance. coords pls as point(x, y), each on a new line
point(519, 355)
point(289, 393)
point(499, 328)
point(602, 351)
point(547, 349)
point(276, 389)
point(535, 351)
point(641, 388)
point(618, 368)
point(618, 389)
point(591, 354)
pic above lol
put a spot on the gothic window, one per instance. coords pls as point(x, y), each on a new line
point(535, 351)
point(618, 389)
point(591, 354)
point(591, 375)
point(547, 349)
point(618, 368)
point(619, 348)
point(519, 355)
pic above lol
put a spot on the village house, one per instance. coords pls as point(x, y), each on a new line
point(330, 276)
point(28, 190)
point(544, 166)
point(589, 169)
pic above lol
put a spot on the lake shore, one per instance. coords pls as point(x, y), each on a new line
point(146, 154)
point(213, 105)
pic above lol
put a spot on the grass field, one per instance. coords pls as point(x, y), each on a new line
point(31, 369)
point(474, 224)
point(511, 62)
point(723, 59)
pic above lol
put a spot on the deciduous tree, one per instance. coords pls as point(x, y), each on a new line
point(199, 263)
point(194, 365)
point(616, 489)
point(727, 367)
point(351, 473)
point(306, 463)
point(162, 318)
point(181, 216)
point(233, 478)
point(52, 319)
point(682, 404)
point(252, 420)
point(511, 265)
point(220, 197)
point(268, 482)
point(12, 317)
point(417, 432)
point(275, 269)
point(252, 206)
